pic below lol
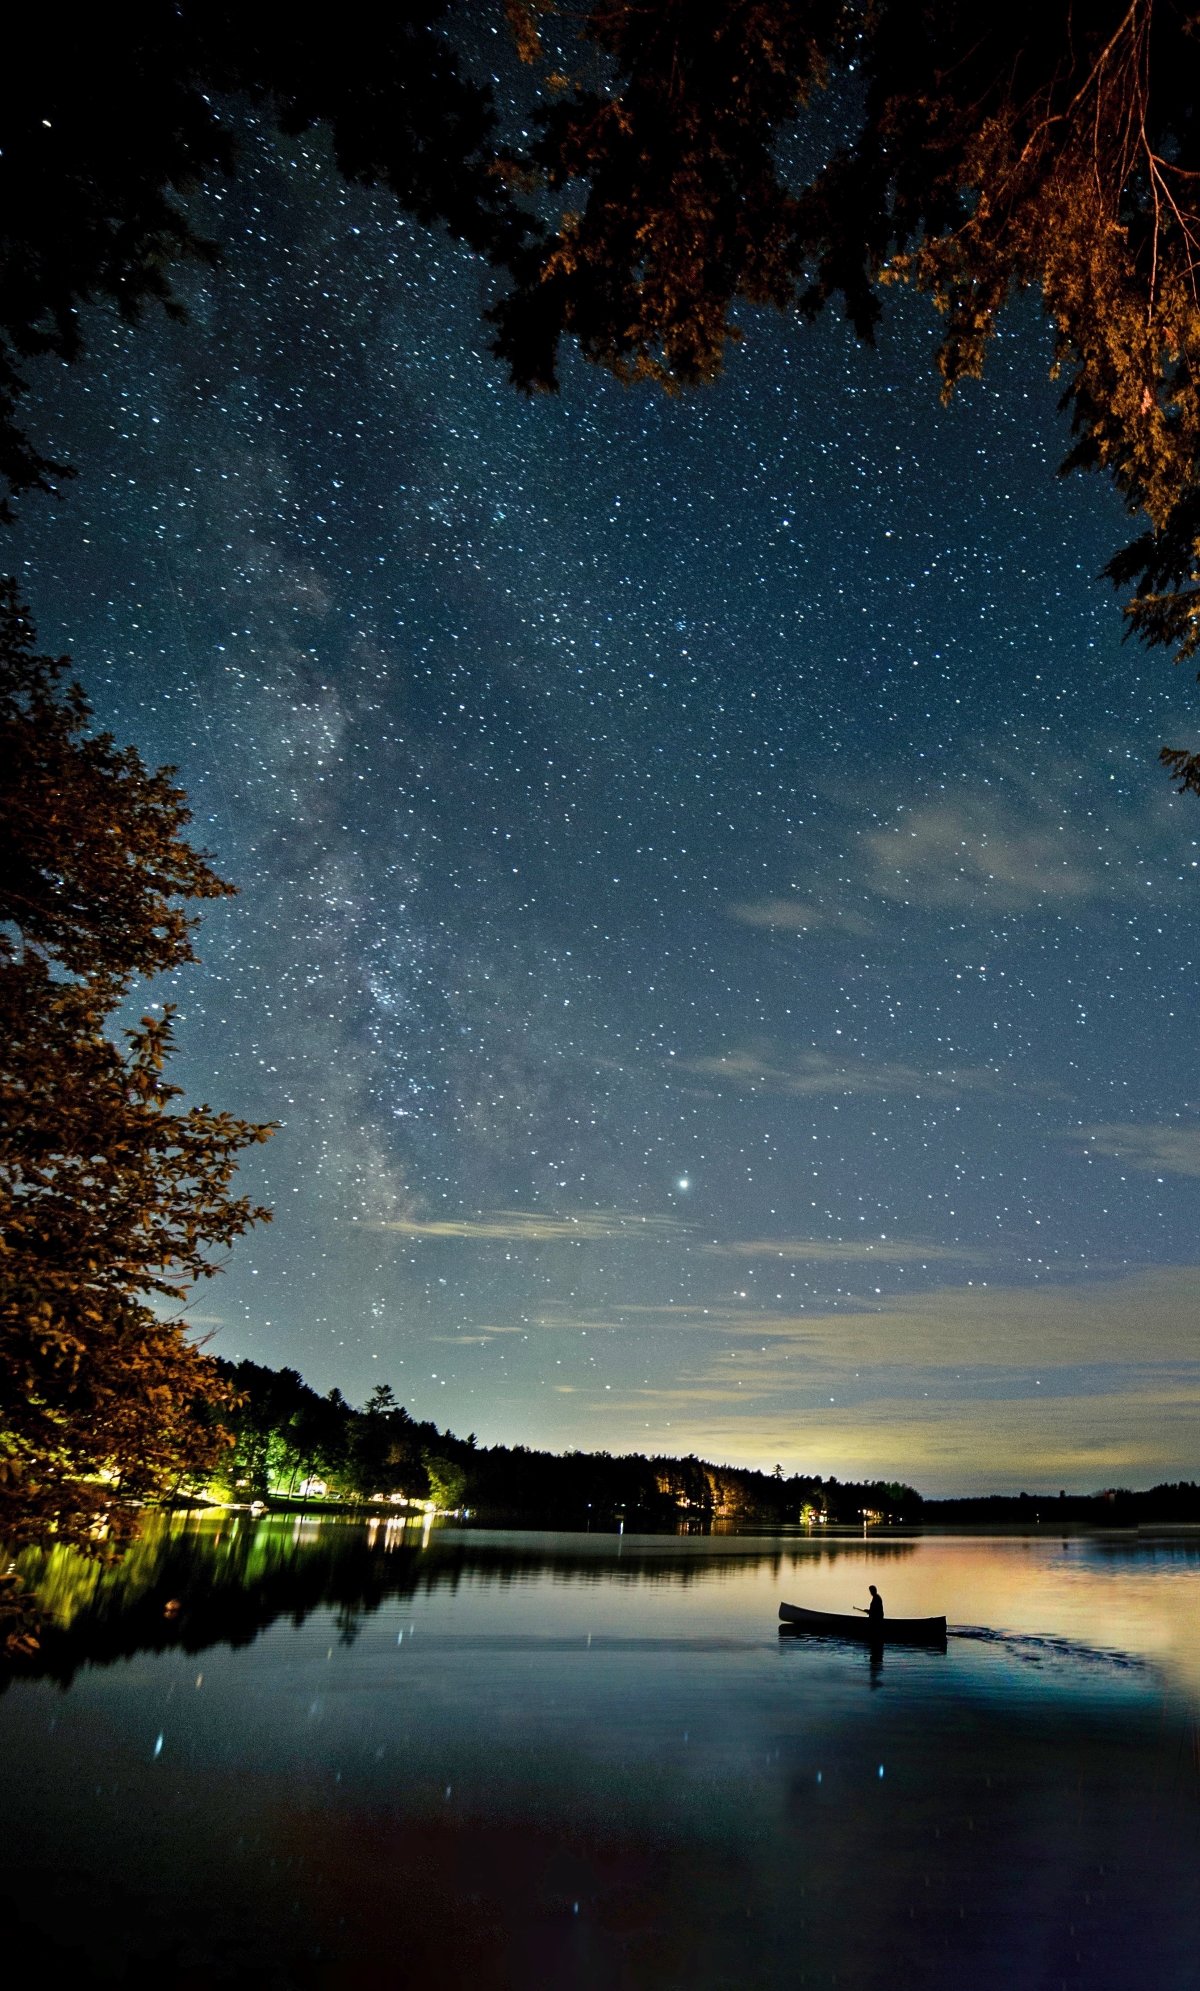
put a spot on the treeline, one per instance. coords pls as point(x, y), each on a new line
point(1116, 1507)
point(290, 1443)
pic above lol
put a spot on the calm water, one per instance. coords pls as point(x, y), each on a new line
point(331, 1755)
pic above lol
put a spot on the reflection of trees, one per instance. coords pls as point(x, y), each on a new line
point(349, 1621)
point(1149, 1554)
point(188, 1583)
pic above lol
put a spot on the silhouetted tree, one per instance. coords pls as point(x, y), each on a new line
point(384, 1452)
point(106, 119)
point(983, 152)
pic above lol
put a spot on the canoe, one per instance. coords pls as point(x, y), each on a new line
point(890, 1631)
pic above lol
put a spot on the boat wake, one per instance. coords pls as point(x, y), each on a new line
point(1041, 1650)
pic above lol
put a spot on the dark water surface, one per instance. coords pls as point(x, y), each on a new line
point(327, 1754)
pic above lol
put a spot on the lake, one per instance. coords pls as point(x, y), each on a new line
point(336, 1753)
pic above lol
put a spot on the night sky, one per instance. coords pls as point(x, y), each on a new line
point(712, 926)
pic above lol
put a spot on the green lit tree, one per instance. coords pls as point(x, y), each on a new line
point(447, 1480)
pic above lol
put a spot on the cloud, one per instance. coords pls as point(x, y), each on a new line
point(973, 1388)
point(969, 1389)
point(743, 1317)
point(848, 1251)
point(1166, 1150)
point(480, 1334)
point(787, 915)
point(186, 1316)
point(1149, 1319)
point(812, 1075)
point(1015, 842)
point(461, 1340)
point(1134, 1436)
point(1128, 1438)
point(1152, 1316)
point(644, 1317)
point(538, 1227)
point(955, 856)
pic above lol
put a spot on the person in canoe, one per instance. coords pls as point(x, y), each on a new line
point(874, 1610)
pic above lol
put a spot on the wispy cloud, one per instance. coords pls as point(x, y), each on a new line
point(187, 1317)
point(644, 1318)
point(542, 1227)
point(1006, 853)
point(480, 1335)
point(790, 915)
point(736, 1319)
point(1130, 1437)
point(459, 1340)
point(1157, 1149)
point(972, 1387)
point(813, 1075)
point(987, 1388)
point(848, 1251)
point(1151, 1318)
point(954, 856)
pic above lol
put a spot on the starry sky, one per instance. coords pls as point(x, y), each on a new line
point(711, 927)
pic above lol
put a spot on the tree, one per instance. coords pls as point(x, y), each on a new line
point(987, 151)
point(106, 121)
point(271, 1408)
point(384, 1454)
point(113, 1199)
point(447, 1481)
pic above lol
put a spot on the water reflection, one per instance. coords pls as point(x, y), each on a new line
point(194, 1581)
point(310, 1758)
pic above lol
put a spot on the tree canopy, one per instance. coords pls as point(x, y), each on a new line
point(112, 1199)
point(985, 151)
point(108, 120)
point(678, 172)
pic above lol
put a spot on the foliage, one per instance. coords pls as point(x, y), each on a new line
point(447, 1481)
point(682, 172)
point(92, 856)
point(104, 124)
point(384, 1453)
point(988, 151)
point(285, 1435)
point(1183, 767)
point(112, 1198)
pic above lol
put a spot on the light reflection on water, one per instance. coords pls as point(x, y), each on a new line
point(309, 1756)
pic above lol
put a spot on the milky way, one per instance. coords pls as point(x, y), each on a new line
point(711, 926)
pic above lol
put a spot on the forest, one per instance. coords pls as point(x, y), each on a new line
point(291, 1445)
